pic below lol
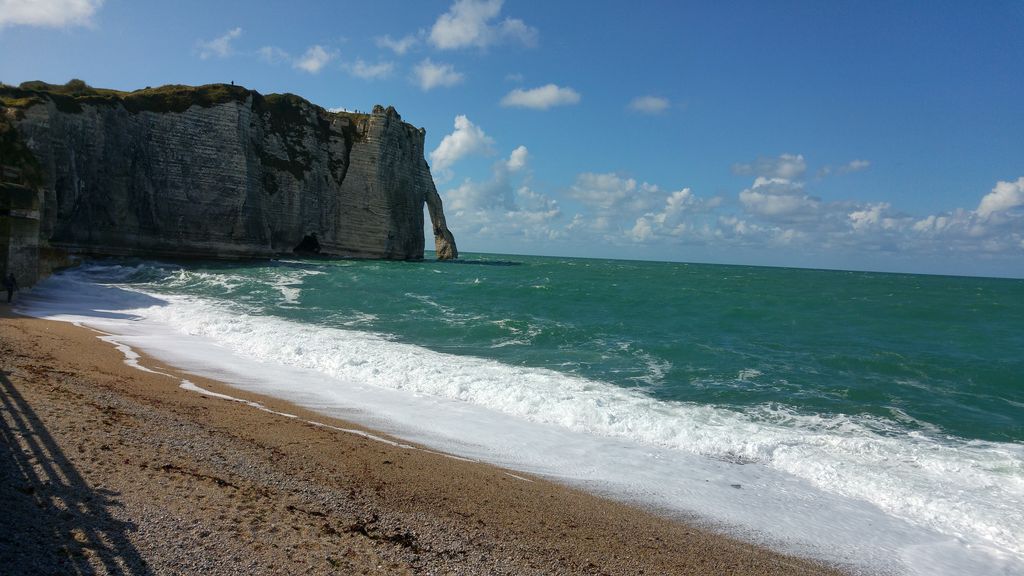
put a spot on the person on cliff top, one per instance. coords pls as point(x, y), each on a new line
point(11, 285)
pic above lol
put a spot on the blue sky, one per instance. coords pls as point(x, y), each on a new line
point(855, 135)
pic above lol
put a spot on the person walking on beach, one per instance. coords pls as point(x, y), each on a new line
point(11, 285)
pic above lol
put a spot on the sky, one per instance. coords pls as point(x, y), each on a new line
point(882, 136)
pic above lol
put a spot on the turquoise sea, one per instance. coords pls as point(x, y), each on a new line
point(899, 397)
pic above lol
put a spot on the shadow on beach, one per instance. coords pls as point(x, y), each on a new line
point(54, 522)
point(84, 299)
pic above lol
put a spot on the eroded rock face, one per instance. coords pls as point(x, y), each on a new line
point(444, 242)
point(249, 176)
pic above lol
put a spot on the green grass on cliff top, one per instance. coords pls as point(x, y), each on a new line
point(70, 97)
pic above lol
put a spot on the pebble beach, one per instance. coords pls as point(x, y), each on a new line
point(110, 468)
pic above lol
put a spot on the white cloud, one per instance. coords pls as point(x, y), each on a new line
point(992, 230)
point(314, 59)
point(778, 211)
point(400, 46)
point(777, 192)
point(468, 24)
point(778, 198)
point(649, 104)
point(430, 75)
point(534, 202)
point(735, 225)
point(932, 223)
point(854, 166)
point(740, 232)
point(273, 55)
point(541, 98)
point(848, 168)
point(774, 211)
point(642, 230)
point(525, 214)
point(218, 47)
point(788, 166)
point(612, 194)
point(517, 30)
point(788, 236)
point(602, 191)
point(500, 208)
point(1004, 196)
point(517, 160)
point(675, 219)
point(679, 201)
point(878, 217)
point(48, 13)
point(367, 71)
point(868, 216)
point(474, 196)
point(467, 138)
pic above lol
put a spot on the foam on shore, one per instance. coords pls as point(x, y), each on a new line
point(848, 489)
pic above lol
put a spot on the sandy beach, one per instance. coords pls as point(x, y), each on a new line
point(110, 469)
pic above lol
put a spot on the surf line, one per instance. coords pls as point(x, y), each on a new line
point(131, 358)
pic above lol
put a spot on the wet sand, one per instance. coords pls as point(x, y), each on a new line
point(110, 469)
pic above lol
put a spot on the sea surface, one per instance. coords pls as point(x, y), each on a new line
point(873, 420)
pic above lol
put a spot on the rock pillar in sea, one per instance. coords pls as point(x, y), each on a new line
point(444, 242)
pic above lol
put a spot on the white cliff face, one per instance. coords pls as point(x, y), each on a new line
point(253, 176)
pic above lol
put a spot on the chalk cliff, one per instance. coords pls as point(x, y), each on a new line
point(225, 172)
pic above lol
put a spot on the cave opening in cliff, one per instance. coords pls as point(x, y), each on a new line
point(309, 245)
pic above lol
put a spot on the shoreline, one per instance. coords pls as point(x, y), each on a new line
point(236, 488)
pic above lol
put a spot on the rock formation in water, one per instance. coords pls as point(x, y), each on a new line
point(220, 171)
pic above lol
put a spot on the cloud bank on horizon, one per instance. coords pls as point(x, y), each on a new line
point(775, 212)
point(498, 95)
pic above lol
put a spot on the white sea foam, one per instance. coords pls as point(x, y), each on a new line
point(192, 387)
point(184, 277)
point(517, 334)
point(657, 368)
point(748, 374)
point(449, 314)
point(289, 283)
point(851, 489)
point(358, 319)
point(131, 357)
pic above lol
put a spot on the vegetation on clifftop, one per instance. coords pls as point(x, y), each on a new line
point(287, 115)
point(70, 97)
